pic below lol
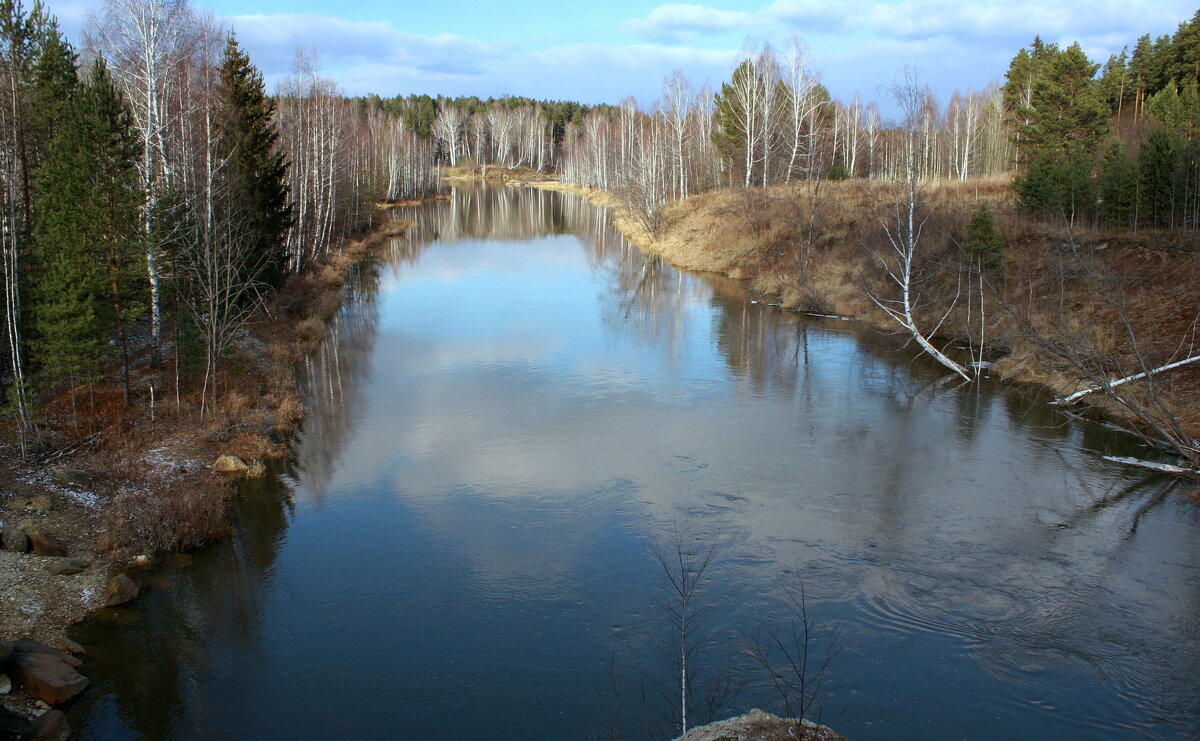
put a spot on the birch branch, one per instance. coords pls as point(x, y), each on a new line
point(1126, 379)
point(1164, 467)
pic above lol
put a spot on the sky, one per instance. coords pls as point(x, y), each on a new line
point(601, 51)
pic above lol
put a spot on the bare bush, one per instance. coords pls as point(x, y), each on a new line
point(796, 656)
point(185, 515)
point(684, 561)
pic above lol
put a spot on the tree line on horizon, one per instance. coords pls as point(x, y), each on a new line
point(1114, 146)
point(153, 191)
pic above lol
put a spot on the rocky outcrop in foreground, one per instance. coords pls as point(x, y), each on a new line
point(47, 674)
point(757, 725)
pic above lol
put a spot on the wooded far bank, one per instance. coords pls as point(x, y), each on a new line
point(141, 240)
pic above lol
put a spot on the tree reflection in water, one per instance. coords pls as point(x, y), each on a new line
point(971, 534)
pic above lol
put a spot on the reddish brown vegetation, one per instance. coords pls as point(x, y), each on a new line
point(149, 463)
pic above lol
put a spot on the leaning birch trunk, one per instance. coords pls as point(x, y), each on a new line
point(1126, 379)
point(905, 234)
point(903, 239)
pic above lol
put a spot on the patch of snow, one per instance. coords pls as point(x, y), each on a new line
point(87, 499)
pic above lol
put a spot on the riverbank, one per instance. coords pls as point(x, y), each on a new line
point(144, 481)
point(1068, 306)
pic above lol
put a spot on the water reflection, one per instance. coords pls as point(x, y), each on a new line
point(192, 624)
point(518, 399)
point(333, 378)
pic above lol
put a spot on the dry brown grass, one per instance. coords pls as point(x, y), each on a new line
point(310, 331)
point(181, 515)
point(810, 249)
point(474, 172)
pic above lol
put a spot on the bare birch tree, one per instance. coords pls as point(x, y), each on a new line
point(677, 108)
point(903, 224)
point(684, 563)
point(448, 128)
point(143, 40)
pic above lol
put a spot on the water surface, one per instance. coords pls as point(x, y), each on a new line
point(514, 403)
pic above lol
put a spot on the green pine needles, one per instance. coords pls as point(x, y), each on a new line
point(87, 244)
point(984, 244)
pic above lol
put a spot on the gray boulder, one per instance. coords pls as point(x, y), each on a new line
point(69, 476)
point(41, 543)
point(51, 725)
point(33, 502)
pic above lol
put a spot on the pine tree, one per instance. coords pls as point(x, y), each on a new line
point(984, 243)
point(1185, 51)
point(1025, 70)
point(86, 236)
point(1156, 178)
point(729, 133)
point(1067, 114)
point(1177, 109)
point(1115, 83)
point(1058, 187)
point(54, 79)
point(1118, 188)
point(255, 170)
point(27, 43)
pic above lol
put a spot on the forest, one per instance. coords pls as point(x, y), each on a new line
point(152, 227)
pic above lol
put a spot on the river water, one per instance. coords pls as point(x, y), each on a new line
point(514, 404)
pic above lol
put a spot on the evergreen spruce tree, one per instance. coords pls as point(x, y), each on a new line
point(984, 243)
point(255, 176)
point(1057, 187)
point(86, 236)
point(1118, 188)
point(1187, 194)
point(1156, 179)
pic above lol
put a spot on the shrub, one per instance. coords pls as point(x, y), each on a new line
point(984, 245)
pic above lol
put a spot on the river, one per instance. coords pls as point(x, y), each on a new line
point(514, 404)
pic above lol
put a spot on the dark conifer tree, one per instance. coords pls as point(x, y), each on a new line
point(255, 170)
point(1185, 51)
point(1067, 115)
point(38, 70)
point(1118, 188)
point(1156, 178)
point(54, 80)
point(86, 235)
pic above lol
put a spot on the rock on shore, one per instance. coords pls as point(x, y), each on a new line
point(757, 725)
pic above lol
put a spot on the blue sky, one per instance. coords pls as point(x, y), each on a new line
point(603, 50)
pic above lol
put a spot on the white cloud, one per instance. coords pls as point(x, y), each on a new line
point(273, 39)
point(376, 57)
point(980, 19)
point(676, 20)
point(855, 44)
point(633, 57)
